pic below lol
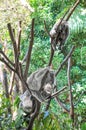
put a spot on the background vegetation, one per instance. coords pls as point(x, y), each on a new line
point(50, 11)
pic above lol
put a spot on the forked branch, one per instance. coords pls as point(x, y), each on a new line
point(12, 39)
point(29, 51)
point(7, 64)
point(6, 58)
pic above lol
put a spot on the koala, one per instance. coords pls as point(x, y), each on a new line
point(41, 83)
point(59, 34)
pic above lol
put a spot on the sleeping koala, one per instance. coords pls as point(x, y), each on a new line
point(41, 84)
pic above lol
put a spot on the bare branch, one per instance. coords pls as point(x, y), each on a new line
point(53, 96)
point(22, 79)
point(29, 50)
point(64, 61)
point(20, 70)
point(11, 82)
point(58, 92)
point(46, 28)
point(62, 105)
point(14, 46)
point(6, 57)
point(19, 38)
point(71, 96)
point(72, 10)
point(6, 63)
point(12, 39)
point(80, 96)
point(51, 56)
point(68, 72)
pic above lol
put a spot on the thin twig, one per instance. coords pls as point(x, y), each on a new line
point(79, 98)
point(6, 58)
point(29, 50)
point(46, 28)
point(6, 63)
point(62, 105)
point(19, 38)
point(58, 92)
point(64, 61)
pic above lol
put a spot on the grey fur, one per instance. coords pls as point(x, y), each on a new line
point(26, 102)
point(59, 34)
point(39, 83)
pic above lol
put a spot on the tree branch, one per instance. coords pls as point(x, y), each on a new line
point(6, 58)
point(51, 56)
point(62, 105)
point(64, 61)
point(11, 83)
point(46, 28)
point(12, 39)
point(71, 96)
point(19, 37)
point(2, 59)
point(72, 10)
point(14, 46)
point(58, 92)
point(29, 50)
